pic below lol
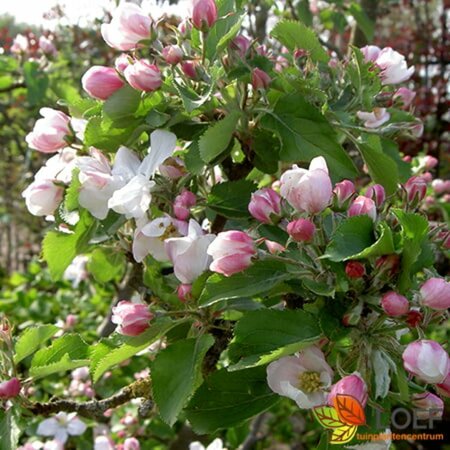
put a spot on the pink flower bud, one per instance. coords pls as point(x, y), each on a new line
point(308, 190)
point(407, 158)
point(122, 62)
point(10, 388)
point(436, 294)
point(377, 194)
point(363, 205)
point(241, 44)
point(404, 96)
point(260, 79)
point(427, 405)
point(394, 69)
point(48, 133)
point(443, 388)
point(46, 45)
point(173, 168)
point(343, 192)
point(441, 186)
point(414, 318)
point(232, 252)
point(274, 247)
point(394, 304)
point(374, 119)
point(42, 197)
point(184, 292)
point(101, 82)
point(416, 189)
point(370, 52)
point(128, 26)
point(352, 385)
point(131, 444)
point(184, 28)
point(417, 130)
point(301, 230)
point(426, 360)
point(183, 203)
point(143, 76)
point(263, 204)
point(190, 69)
point(388, 264)
point(354, 269)
point(20, 44)
point(71, 321)
point(172, 54)
point(204, 14)
point(132, 318)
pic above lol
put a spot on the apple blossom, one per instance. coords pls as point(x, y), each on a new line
point(303, 377)
point(49, 133)
point(20, 44)
point(416, 188)
point(204, 14)
point(353, 385)
point(405, 96)
point(370, 52)
point(394, 304)
point(132, 318)
point(435, 293)
point(104, 443)
point(377, 194)
point(190, 69)
point(441, 186)
point(189, 254)
point(443, 387)
point(241, 44)
point(301, 230)
point(143, 76)
point(374, 119)
point(42, 197)
point(343, 192)
point(393, 67)
point(128, 26)
point(232, 252)
point(264, 204)
point(76, 272)
point(46, 45)
point(216, 444)
point(131, 444)
point(101, 82)
point(122, 62)
point(354, 269)
point(308, 190)
point(184, 291)
point(363, 205)
point(173, 168)
point(427, 405)
point(260, 79)
point(426, 360)
point(274, 247)
point(10, 388)
point(173, 54)
point(59, 167)
point(182, 204)
point(61, 426)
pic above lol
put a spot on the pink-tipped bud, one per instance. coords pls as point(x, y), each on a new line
point(204, 14)
point(404, 96)
point(354, 269)
point(441, 186)
point(377, 194)
point(131, 444)
point(352, 385)
point(101, 82)
point(46, 46)
point(388, 264)
point(143, 76)
point(172, 54)
point(132, 318)
point(260, 79)
point(426, 360)
point(190, 69)
point(427, 405)
point(443, 388)
point(122, 62)
point(71, 321)
point(10, 388)
point(416, 189)
point(183, 203)
point(264, 204)
point(343, 191)
point(274, 247)
point(363, 205)
point(232, 252)
point(394, 304)
point(173, 168)
point(414, 318)
point(407, 158)
point(301, 230)
point(240, 44)
point(435, 294)
point(430, 162)
point(184, 292)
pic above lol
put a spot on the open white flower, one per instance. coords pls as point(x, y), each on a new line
point(303, 377)
point(216, 444)
point(62, 426)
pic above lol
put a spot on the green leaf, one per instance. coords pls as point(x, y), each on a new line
point(226, 399)
point(31, 339)
point(106, 264)
point(9, 428)
point(231, 198)
point(264, 335)
point(59, 249)
point(296, 35)
point(383, 246)
point(192, 100)
point(123, 103)
point(72, 192)
point(266, 148)
point(414, 234)
point(351, 237)
point(176, 374)
point(192, 159)
point(36, 81)
point(65, 353)
point(382, 168)
point(305, 133)
point(364, 22)
point(130, 347)
point(217, 137)
point(258, 279)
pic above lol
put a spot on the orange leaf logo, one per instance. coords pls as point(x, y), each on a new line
point(328, 417)
point(343, 434)
point(349, 410)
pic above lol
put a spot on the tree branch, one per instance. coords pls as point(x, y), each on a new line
point(94, 409)
point(255, 434)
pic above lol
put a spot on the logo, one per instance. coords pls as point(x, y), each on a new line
point(343, 418)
